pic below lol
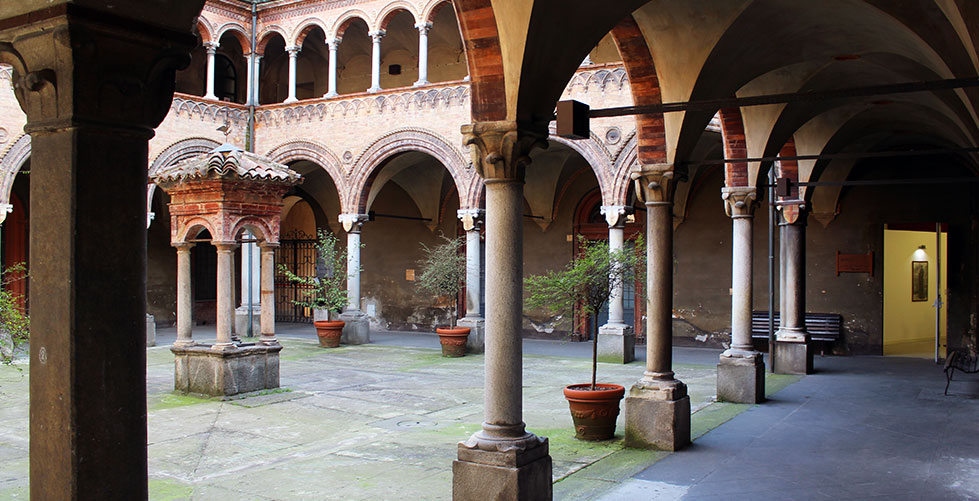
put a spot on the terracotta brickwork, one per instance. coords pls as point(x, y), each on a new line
point(735, 146)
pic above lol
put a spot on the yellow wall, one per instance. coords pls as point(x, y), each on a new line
point(909, 327)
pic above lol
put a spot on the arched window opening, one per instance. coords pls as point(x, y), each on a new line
point(274, 79)
point(225, 79)
point(312, 66)
point(399, 51)
point(446, 56)
point(354, 59)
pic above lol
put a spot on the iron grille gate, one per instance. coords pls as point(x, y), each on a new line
point(297, 252)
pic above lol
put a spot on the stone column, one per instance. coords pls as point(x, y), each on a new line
point(212, 49)
point(293, 56)
point(185, 307)
point(257, 75)
point(741, 369)
point(616, 339)
point(90, 119)
point(472, 220)
point(793, 350)
point(657, 409)
point(503, 460)
point(268, 293)
point(333, 45)
point(250, 95)
point(423, 53)
point(226, 294)
point(376, 37)
point(357, 328)
point(249, 252)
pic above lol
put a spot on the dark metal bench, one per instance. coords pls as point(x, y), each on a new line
point(826, 327)
point(962, 361)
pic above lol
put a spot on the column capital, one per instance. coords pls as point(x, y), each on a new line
point(654, 183)
point(501, 149)
point(792, 214)
point(471, 218)
point(423, 27)
point(614, 214)
point(294, 50)
point(739, 201)
point(265, 245)
point(353, 222)
point(377, 35)
point(333, 43)
point(183, 246)
point(211, 47)
point(224, 246)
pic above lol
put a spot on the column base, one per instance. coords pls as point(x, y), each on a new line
point(793, 353)
point(241, 320)
point(330, 95)
point(421, 82)
point(741, 378)
point(290, 100)
point(201, 369)
point(616, 344)
point(150, 330)
point(374, 89)
point(357, 327)
point(512, 475)
point(477, 333)
point(657, 417)
point(211, 96)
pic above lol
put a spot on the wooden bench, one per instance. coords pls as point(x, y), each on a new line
point(826, 327)
point(962, 361)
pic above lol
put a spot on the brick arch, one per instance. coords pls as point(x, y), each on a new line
point(204, 29)
point(485, 58)
point(598, 160)
point(735, 146)
point(305, 28)
point(294, 151)
point(183, 149)
point(344, 20)
point(432, 8)
point(240, 34)
point(472, 198)
point(11, 163)
point(267, 230)
point(267, 35)
point(368, 164)
point(627, 158)
point(389, 10)
point(644, 84)
point(181, 231)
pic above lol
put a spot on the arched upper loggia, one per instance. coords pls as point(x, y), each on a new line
point(399, 141)
point(344, 21)
point(305, 27)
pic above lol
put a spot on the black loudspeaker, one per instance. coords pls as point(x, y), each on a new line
point(572, 120)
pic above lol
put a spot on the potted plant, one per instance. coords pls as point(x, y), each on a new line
point(15, 325)
point(586, 283)
point(324, 294)
point(442, 272)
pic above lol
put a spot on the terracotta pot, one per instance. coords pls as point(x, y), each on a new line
point(453, 340)
point(329, 332)
point(594, 412)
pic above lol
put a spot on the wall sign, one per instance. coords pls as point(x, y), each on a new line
point(854, 263)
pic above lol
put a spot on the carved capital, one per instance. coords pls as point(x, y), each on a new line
point(293, 50)
point(333, 43)
point(739, 201)
point(615, 214)
point(211, 47)
point(501, 150)
point(471, 218)
point(75, 67)
point(423, 28)
point(353, 222)
point(654, 183)
point(377, 35)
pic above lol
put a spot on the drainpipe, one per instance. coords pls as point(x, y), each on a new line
point(771, 268)
point(252, 99)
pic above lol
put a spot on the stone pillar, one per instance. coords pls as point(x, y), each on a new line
point(657, 409)
point(357, 328)
point(90, 119)
point(211, 48)
point(793, 350)
point(332, 89)
point(257, 75)
point(741, 369)
point(423, 54)
point(503, 460)
point(185, 306)
point(226, 294)
point(249, 252)
point(268, 293)
point(376, 37)
point(293, 56)
point(616, 339)
point(250, 95)
point(472, 220)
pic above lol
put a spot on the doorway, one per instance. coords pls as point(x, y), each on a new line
point(914, 261)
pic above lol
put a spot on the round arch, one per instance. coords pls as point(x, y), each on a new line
point(191, 228)
point(10, 165)
point(239, 32)
point(598, 159)
point(204, 29)
point(304, 29)
point(399, 141)
point(432, 7)
point(627, 158)
point(267, 35)
point(293, 151)
point(389, 10)
point(344, 20)
point(181, 150)
point(260, 229)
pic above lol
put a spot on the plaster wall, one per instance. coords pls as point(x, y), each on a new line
point(909, 325)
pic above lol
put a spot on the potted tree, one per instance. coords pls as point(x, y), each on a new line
point(442, 272)
point(586, 283)
point(324, 294)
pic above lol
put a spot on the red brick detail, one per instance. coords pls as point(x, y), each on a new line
point(789, 168)
point(735, 146)
point(488, 90)
point(644, 83)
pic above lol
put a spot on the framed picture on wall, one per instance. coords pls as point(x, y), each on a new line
point(919, 280)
